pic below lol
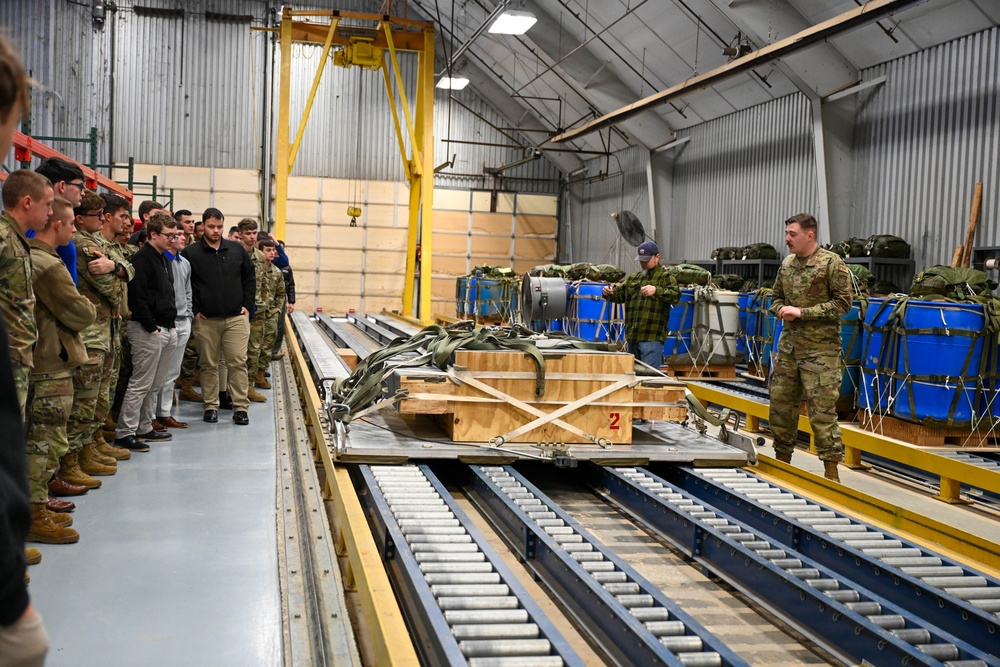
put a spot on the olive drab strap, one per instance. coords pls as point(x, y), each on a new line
point(435, 345)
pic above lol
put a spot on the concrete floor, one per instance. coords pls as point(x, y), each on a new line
point(177, 559)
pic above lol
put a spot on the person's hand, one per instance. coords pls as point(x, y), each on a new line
point(648, 290)
point(101, 265)
point(291, 308)
point(606, 291)
point(199, 316)
point(244, 311)
point(28, 612)
point(789, 313)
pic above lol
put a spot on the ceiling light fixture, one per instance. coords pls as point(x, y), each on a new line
point(513, 22)
point(452, 82)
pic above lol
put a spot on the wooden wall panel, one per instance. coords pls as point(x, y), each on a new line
point(235, 180)
point(522, 266)
point(536, 225)
point(382, 192)
point(490, 246)
point(342, 237)
point(491, 223)
point(384, 284)
point(187, 178)
point(451, 266)
point(530, 248)
point(505, 202)
point(338, 282)
point(480, 200)
point(451, 221)
point(387, 261)
point(443, 288)
point(450, 244)
point(383, 215)
point(304, 235)
point(193, 200)
point(456, 200)
point(301, 211)
point(385, 239)
point(337, 189)
point(538, 204)
point(303, 187)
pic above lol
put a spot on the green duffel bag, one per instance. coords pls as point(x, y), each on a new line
point(604, 273)
point(749, 285)
point(836, 248)
point(883, 288)
point(689, 274)
point(887, 245)
point(728, 281)
point(863, 278)
point(759, 251)
point(725, 252)
point(852, 247)
point(952, 283)
point(578, 271)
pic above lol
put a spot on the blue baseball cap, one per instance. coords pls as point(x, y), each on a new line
point(646, 250)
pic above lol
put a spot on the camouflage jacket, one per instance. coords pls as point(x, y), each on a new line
point(104, 291)
point(820, 286)
point(260, 275)
point(123, 253)
point(61, 313)
point(274, 291)
point(16, 296)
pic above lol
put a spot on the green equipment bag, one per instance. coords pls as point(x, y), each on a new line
point(852, 247)
point(759, 251)
point(749, 285)
point(883, 288)
point(836, 248)
point(952, 283)
point(689, 274)
point(862, 278)
point(725, 252)
point(604, 273)
point(728, 281)
point(887, 245)
point(578, 271)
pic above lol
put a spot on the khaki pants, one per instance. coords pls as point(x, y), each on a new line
point(151, 353)
point(25, 643)
point(230, 334)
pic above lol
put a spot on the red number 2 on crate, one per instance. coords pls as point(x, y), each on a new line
point(615, 417)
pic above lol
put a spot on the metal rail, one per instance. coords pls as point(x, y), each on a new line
point(960, 600)
point(345, 334)
point(375, 331)
point(462, 602)
point(849, 621)
point(326, 365)
point(394, 324)
point(631, 620)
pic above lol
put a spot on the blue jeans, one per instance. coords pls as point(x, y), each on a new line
point(648, 352)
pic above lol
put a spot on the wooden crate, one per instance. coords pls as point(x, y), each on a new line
point(927, 436)
point(701, 371)
point(471, 414)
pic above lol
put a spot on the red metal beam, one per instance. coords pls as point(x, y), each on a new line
point(26, 147)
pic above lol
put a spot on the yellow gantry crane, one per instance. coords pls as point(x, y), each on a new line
point(371, 42)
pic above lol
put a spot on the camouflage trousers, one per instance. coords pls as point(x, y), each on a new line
point(190, 362)
point(817, 375)
point(90, 384)
point(263, 330)
point(108, 383)
point(124, 353)
point(22, 382)
point(51, 403)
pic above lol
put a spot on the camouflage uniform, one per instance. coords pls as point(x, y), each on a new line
point(18, 302)
point(809, 350)
point(122, 370)
point(260, 272)
point(61, 312)
point(93, 382)
point(264, 326)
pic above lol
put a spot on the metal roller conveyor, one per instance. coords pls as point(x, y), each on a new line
point(960, 600)
point(632, 621)
point(851, 621)
point(463, 602)
point(347, 335)
point(374, 330)
point(327, 366)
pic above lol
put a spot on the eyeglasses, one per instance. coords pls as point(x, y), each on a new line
point(81, 186)
point(88, 215)
point(173, 237)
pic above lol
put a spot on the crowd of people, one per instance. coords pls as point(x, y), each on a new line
point(104, 317)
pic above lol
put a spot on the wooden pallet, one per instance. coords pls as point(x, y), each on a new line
point(477, 398)
point(927, 436)
point(691, 371)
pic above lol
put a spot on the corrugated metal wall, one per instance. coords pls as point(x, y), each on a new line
point(740, 176)
point(924, 138)
point(587, 231)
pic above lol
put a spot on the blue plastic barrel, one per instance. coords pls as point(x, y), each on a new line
point(590, 314)
point(743, 306)
point(876, 359)
point(850, 340)
point(553, 325)
point(942, 358)
point(989, 402)
point(482, 297)
point(679, 325)
point(779, 326)
point(461, 285)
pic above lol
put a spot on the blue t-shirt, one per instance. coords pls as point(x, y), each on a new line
point(67, 253)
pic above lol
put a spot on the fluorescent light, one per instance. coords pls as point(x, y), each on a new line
point(513, 22)
point(453, 82)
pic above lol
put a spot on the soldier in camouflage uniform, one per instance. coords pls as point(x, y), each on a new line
point(264, 325)
point(61, 312)
point(27, 202)
point(811, 293)
point(123, 364)
point(247, 229)
point(103, 275)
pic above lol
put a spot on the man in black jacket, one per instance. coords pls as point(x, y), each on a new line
point(151, 334)
point(223, 288)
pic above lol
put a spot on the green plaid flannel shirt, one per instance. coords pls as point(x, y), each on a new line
point(646, 316)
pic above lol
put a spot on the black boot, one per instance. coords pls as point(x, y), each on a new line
point(225, 402)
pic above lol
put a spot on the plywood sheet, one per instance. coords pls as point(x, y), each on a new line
point(490, 246)
point(451, 221)
point(491, 223)
point(451, 266)
point(385, 239)
point(529, 248)
point(303, 187)
point(376, 304)
point(337, 189)
point(536, 225)
point(193, 200)
point(382, 192)
point(522, 266)
point(237, 205)
point(338, 282)
point(391, 261)
point(337, 304)
point(384, 284)
point(186, 178)
point(449, 244)
point(301, 258)
point(443, 288)
point(384, 215)
point(236, 180)
point(302, 211)
point(505, 202)
point(480, 200)
point(340, 236)
point(145, 172)
point(537, 204)
point(456, 200)
point(299, 234)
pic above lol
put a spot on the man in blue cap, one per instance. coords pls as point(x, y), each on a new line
point(647, 295)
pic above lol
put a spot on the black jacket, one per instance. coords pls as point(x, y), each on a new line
point(286, 273)
point(15, 513)
point(222, 281)
point(151, 292)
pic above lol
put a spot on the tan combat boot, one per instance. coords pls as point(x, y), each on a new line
point(69, 470)
point(784, 457)
point(60, 518)
point(188, 393)
point(117, 453)
point(90, 464)
point(278, 356)
point(261, 382)
point(45, 530)
point(256, 396)
point(830, 471)
point(92, 453)
point(32, 555)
